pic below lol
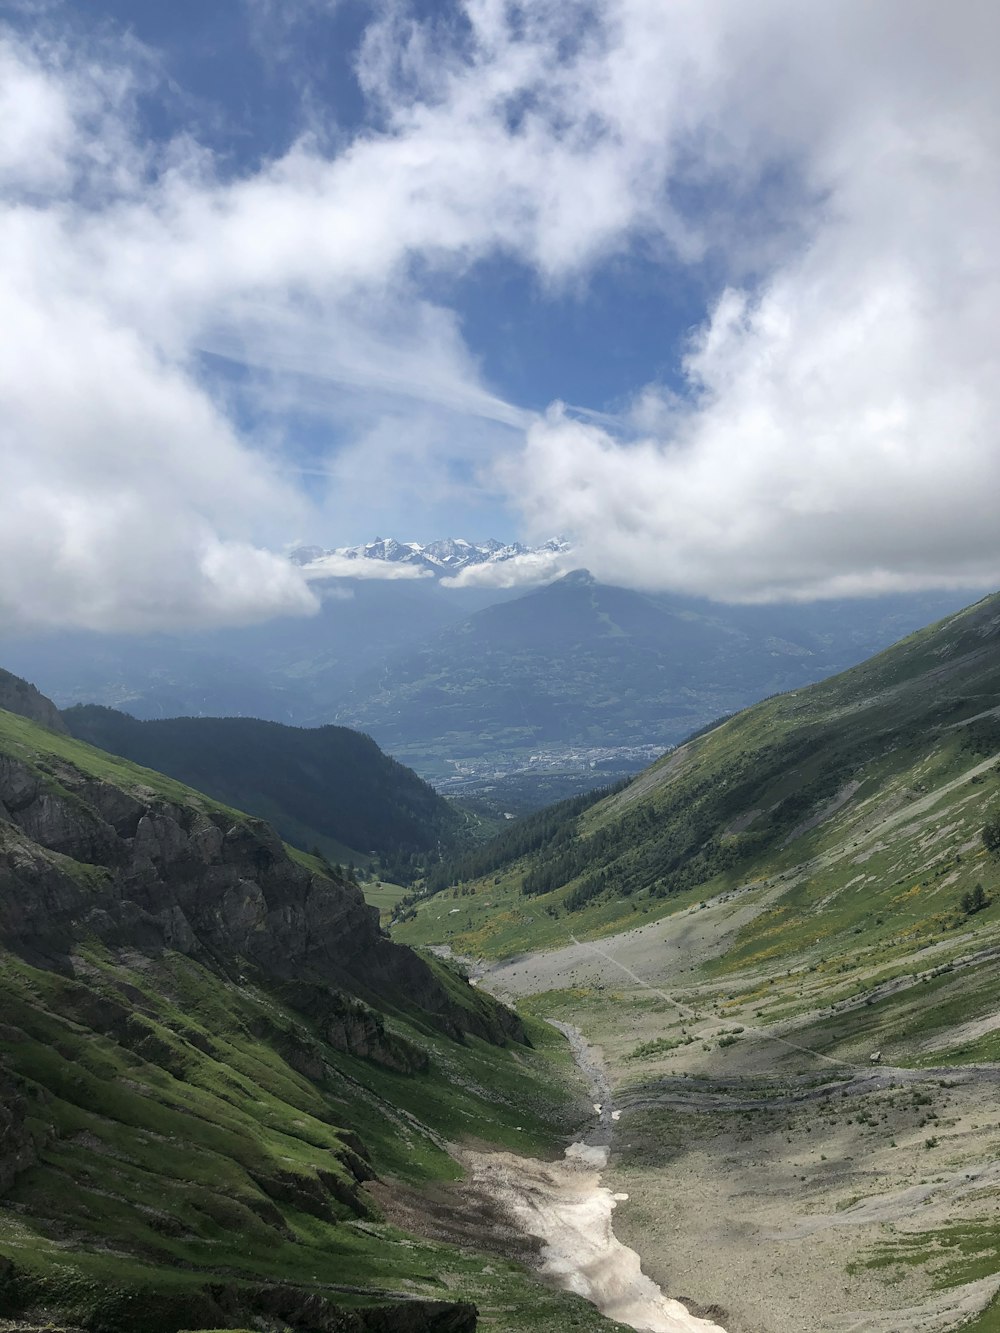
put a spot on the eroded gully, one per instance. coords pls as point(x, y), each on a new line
point(563, 1205)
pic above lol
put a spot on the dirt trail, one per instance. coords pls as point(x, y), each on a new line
point(666, 945)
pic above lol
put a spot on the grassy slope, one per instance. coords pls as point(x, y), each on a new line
point(735, 807)
point(187, 1144)
point(158, 1173)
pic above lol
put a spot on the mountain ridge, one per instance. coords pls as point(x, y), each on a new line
point(325, 787)
point(442, 558)
point(579, 665)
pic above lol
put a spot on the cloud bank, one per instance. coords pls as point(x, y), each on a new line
point(831, 173)
point(519, 571)
point(840, 431)
point(335, 566)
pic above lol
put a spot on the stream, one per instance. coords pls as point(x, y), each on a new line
point(564, 1205)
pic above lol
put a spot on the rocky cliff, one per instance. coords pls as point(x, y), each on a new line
point(80, 854)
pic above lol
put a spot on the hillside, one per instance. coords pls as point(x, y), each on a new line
point(326, 787)
point(785, 939)
point(776, 783)
point(20, 696)
point(580, 668)
point(210, 1057)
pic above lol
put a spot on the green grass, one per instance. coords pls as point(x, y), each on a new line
point(986, 1322)
point(382, 895)
point(43, 750)
point(951, 1255)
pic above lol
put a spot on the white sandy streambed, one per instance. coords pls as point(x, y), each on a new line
point(564, 1206)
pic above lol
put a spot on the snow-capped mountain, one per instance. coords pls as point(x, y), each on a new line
point(444, 557)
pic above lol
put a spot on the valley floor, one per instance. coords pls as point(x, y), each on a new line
point(775, 1175)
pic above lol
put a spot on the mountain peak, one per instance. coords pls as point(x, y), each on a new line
point(446, 556)
point(578, 578)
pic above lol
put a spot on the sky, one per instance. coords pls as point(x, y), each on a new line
point(709, 289)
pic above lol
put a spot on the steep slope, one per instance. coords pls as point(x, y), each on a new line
point(207, 1049)
point(579, 665)
point(326, 786)
point(915, 727)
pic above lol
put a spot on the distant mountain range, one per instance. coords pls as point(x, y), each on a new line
point(440, 558)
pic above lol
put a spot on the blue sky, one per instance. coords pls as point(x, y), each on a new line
point(709, 289)
point(249, 79)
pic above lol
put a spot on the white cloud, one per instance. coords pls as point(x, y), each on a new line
point(37, 123)
point(841, 435)
point(336, 566)
point(520, 571)
point(837, 165)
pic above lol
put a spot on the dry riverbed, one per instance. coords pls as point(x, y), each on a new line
point(566, 1208)
point(773, 1187)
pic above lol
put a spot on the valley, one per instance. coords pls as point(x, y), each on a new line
point(577, 908)
point(773, 1174)
point(803, 1037)
point(773, 956)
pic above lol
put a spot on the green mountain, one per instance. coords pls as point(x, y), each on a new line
point(810, 773)
point(325, 787)
point(20, 696)
point(211, 1056)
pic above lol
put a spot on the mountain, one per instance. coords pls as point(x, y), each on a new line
point(217, 1074)
point(290, 670)
point(578, 667)
point(914, 732)
point(440, 558)
point(534, 696)
point(325, 787)
point(20, 696)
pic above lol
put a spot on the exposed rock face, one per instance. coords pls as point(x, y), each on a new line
point(18, 696)
point(150, 874)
